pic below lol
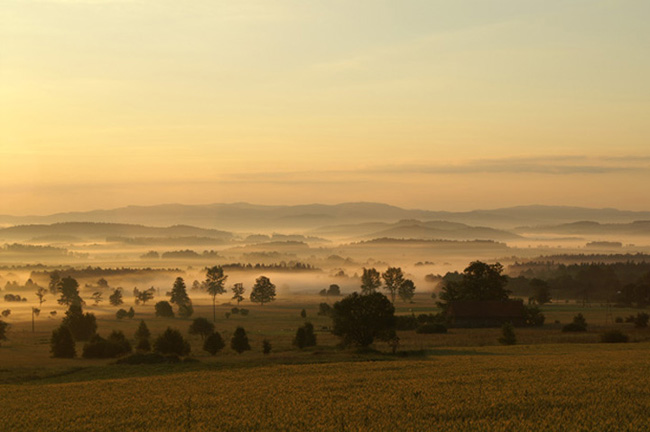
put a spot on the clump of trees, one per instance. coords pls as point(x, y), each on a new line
point(479, 281)
point(579, 324)
point(115, 345)
point(122, 313)
point(394, 282)
point(359, 319)
point(143, 296)
point(68, 289)
point(333, 291)
point(263, 291)
point(62, 343)
point(82, 325)
point(171, 342)
point(202, 327)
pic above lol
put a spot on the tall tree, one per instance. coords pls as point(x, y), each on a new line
point(178, 294)
point(69, 289)
point(238, 292)
point(406, 290)
point(143, 296)
point(393, 280)
point(263, 291)
point(53, 285)
point(116, 298)
point(214, 283)
point(370, 281)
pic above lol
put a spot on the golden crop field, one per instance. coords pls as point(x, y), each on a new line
point(563, 387)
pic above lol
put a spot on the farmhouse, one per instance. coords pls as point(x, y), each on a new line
point(485, 313)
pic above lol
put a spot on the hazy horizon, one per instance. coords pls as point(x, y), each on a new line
point(423, 104)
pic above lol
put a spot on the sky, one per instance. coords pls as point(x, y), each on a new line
point(431, 104)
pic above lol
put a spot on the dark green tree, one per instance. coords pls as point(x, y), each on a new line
point(116, 298)
point(82, 325)
point(69, 290)
point(393, 279)
point(213, 343)
point(202, 327)
point(143, 296)
point(215, 281)
point(164, 309)
point(406, 290)
point(171, 342)
point(479, 281)
point(62, 343)
point(178, 294)
point(142, 332)
point(359, 319)
point(239, 341)
point(370, 281)
point(263, 291)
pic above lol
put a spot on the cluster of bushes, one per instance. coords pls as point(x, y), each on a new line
point(422, 324)
point(333, 290)
point(639, 321)
point(305, 336)
point(113, 346)
point(240, 311)
point(14, 298)
point(121, 314)
point(613, 336)
point(579, 324)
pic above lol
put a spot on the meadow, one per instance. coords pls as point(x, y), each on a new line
point(462, 380)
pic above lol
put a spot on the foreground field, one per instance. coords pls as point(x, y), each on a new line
point(567, 387)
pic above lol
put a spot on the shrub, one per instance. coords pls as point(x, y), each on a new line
point(533, 316)
point(243, 312)
point(142, 332)
point(164, 309)
point(185, 310)
point(234, 310)
point(619, 320)
point(507, 334)
point(613, 336)
point(151, 358)
point(143, 345)
point(213, 343)
point(303, 314)
point(324, 309)
point(82, 326)
point(201, 326)
point(121, 314)
point(406, 322)
point(171, 342)
point(305, 336)
point(579, 324)
point(62, 343)
point(641, 320)
point(266, 346)
point(131, 313)
point(3, 330)
point(430, 328)
point(429, 318)
point(6, 313)
point(239, 341)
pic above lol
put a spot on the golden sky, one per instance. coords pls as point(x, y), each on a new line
point(449, 105)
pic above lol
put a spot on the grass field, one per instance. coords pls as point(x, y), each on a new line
point(462, 380)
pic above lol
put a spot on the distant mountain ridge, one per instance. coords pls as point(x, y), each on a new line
point(266, 218)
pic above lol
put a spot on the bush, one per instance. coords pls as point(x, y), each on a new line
point(3, 330)
point(324, 309)
point(98, 347)
point(82, 326)
point(164, 309)
point(406, 322)
point(202, 327)
point(171, 342)
point(130, 314)
point(303, 314)
point(266, 346)
point(579, 324)
point(121, 314)
point(641, 320)
point(152, 358)
point(430, 318)
point(143, 345)
point(239, 341)
point(533, 316)
point(305, 336)
point(227, 315)
point(62, 343)
point(243, 312)
point(213, 343)
point(142, 332)
point(619, 320)
point(507, 334)
point(430, 328)
point(613, 336)
point(6, 313)
point(234, 310)
point(185, 310)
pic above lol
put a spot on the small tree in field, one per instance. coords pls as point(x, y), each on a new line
point(213, 343)
point(507, 334)
point(238, 292)
point(239, 341)
point(40, 294)
point(171, 342)
point(143, 296)
point(202, 327)
point(116, 298)
point(305, 336)
point(263, 291)
point(406, 290)
point(359, 319)
point(62, 344)
point(142, 332)
point(82, 326)
point(164, 309)
point(370, 281)
point(393, 279)
point(215, 281)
